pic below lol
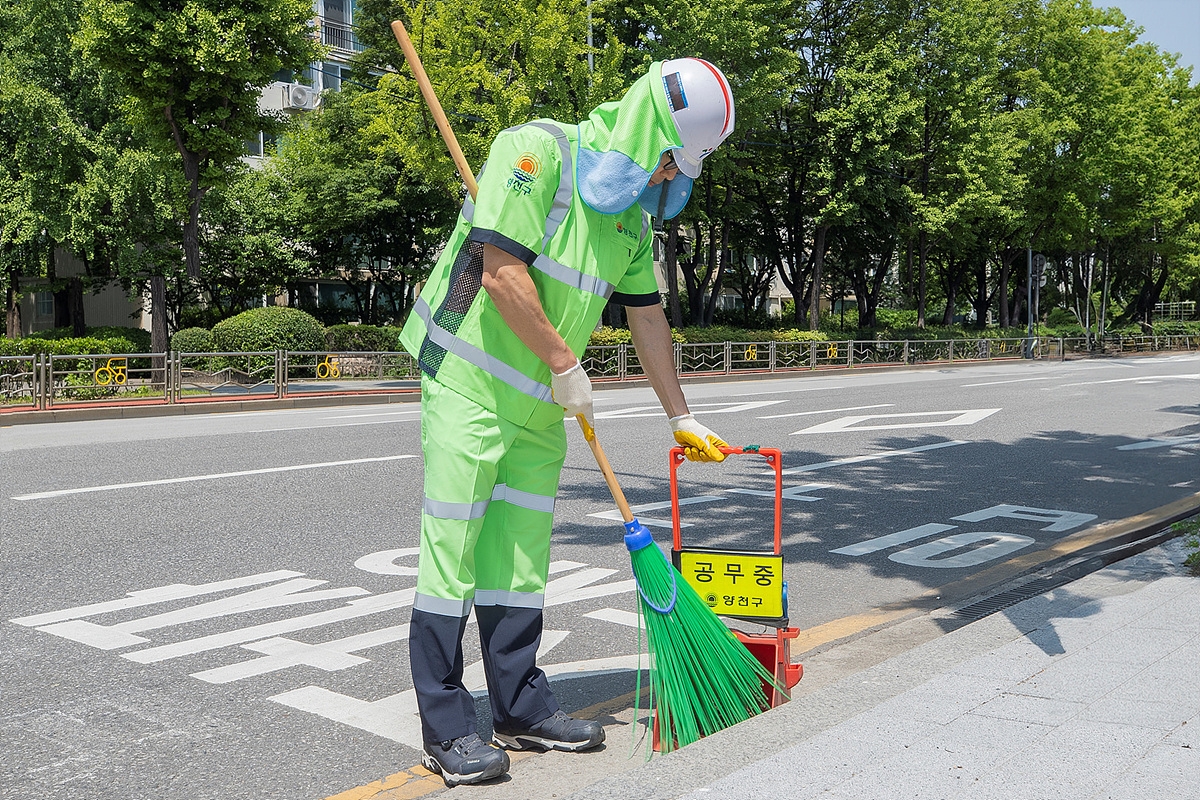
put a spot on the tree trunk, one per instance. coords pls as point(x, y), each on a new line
point(722, 255)
point(12, 306)
point(818, 261)
point(671, 268)
point(159, 342)
point(922, 242)
point(191, 172)
point(75, 307)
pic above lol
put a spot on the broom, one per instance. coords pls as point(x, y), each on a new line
point(702, 677)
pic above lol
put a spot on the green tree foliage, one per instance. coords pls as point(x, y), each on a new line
point(193, 72)
point(359, 209)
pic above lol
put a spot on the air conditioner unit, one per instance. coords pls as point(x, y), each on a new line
point(298, 97)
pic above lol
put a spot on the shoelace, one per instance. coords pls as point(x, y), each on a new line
point(466, 744)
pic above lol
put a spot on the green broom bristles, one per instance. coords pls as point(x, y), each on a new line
point(702, 677)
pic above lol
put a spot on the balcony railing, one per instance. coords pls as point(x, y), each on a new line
point(339, 36)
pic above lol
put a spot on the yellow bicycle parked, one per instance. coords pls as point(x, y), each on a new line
point(115, 371)
point(328, 368)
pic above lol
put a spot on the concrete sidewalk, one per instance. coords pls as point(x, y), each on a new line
point(1088, 691)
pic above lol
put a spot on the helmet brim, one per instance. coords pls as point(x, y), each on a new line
point(687, 165)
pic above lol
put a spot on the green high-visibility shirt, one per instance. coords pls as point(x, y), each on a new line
point(578, 258)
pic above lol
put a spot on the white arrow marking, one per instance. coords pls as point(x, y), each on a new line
point(841, 462)
point(965, 417)
point(828, 411)
point(695, 408)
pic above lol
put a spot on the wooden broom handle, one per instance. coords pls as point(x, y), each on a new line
point(439, 116)
point(605, 468)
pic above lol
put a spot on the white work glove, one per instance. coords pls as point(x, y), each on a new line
point(698, 442)
point(573, 391)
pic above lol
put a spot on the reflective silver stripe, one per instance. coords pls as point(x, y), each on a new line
point(497, 597)
point(645, 225)
point(463, 511)
point(468, 209)
point(572, 277)
point(472, 354)
point(441, 606)
point(566, 182)
point(533, 502)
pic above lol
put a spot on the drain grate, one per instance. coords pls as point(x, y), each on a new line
point(1010, 597)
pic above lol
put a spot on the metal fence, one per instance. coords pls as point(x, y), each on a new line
point(44, 381)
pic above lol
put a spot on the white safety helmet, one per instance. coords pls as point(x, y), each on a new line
point(701, 104)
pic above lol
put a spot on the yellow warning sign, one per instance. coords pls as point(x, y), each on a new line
point(736, 584)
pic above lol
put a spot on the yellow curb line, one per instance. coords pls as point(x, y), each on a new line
point(418, 781)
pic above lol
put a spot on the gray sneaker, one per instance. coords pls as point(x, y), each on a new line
point(467, 759)
point(556, 732)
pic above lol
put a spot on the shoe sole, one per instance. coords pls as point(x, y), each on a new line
point(454, 779)
point(527, 741)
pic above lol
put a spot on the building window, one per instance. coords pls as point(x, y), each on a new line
point(44, 305)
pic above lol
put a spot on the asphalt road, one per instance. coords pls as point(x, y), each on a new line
point(215, 606)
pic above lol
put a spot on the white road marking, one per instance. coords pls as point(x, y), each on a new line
point(1139, 379)
point(695, 408)
point(396, 717)
point(789, 492)
point(159, 594)
point(926, 555)
point(615, 514)
point(1163, 442)
point(841, 462)
point(281, 653)
point(1014, 380)
point(893, 539)
point(828, 411)
point(375, 414)
point(362, 607)
point(1060, 521)
point(852, 424)
point(112, 637)
point(615, 615)
point(214, 476)
point(335, 425)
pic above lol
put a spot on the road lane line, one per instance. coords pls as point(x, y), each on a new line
point(1191, 377)
point(214, 476)
point(1014, 380)
point(335, 425)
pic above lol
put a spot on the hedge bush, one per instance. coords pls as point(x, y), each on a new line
point(375, 338)
point(269, 328)
point(139, 338)
point(86, 345)
point(192, 340)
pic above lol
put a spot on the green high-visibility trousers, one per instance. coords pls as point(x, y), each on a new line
point(485, 543)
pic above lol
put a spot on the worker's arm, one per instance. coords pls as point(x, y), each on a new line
point(652, 338)
point(656, 354)
point(507, 282)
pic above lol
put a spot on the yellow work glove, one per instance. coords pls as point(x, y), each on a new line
point(698, 442)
